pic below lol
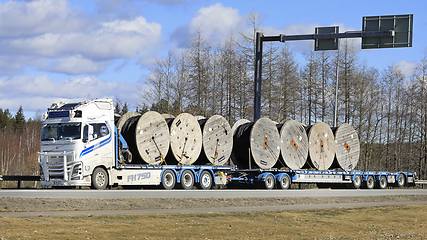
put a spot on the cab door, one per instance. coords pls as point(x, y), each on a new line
point(97, 144)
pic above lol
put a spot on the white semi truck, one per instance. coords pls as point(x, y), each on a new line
point(80, 146)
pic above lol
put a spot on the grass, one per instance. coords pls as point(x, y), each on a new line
point(405, 222)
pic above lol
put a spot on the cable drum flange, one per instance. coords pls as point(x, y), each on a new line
point(152, 137)
point(347, 147)
point(256, 145)
point(185, 140)
point(217, 140)
point(294, 144)
point(321, 146)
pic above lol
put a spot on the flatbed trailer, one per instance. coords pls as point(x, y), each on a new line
point(205, 177)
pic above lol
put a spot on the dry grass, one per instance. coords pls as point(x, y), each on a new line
point(407, 222)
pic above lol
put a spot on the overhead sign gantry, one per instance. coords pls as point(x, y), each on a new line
point(388, 31)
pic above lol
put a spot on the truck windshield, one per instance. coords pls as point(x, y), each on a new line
point(61, 131)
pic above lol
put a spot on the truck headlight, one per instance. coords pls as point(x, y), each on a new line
point(77, 171)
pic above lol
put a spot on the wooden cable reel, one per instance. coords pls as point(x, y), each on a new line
point(294, 144)
point(185, 140)
point(347, 147)
point(217, 140)
point(321, 146)
point(256, 145)
point(152, 138)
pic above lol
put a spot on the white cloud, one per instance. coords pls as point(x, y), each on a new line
point(116, 39)
point(215, 22)
point(407, 68)
point(26, 18)
point(47, 34)
point(75, 65)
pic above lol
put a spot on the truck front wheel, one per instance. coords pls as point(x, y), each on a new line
point(99, 178)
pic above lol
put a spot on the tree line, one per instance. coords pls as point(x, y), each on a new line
point(19, 144)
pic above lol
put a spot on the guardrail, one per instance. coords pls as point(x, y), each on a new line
point(19, 178)
point(422, 183)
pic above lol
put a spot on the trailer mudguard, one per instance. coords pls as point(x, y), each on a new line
point(262, 176)
point(174, 171)
point(378, 177)
point(280, 175)
point(353, 176)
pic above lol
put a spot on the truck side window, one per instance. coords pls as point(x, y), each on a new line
point(99, 130)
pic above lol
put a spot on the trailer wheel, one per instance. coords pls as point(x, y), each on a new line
point(370, 182)
point(357, 182)
point(382, 183)
point(187, 179)
point(269, 182)
point(99, 178)
point(168, 179)
point(205, 180)
point(401, 180)
point(284, 181)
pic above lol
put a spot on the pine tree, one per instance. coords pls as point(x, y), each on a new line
point(125, 109)
point(19, 119)
point(5, 118)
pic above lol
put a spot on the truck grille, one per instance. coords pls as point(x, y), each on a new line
point(53, 164)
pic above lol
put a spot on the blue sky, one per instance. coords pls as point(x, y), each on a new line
point(55, 50)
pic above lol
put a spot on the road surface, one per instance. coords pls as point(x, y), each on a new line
point(224, 193)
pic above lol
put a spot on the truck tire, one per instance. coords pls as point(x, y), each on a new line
point(269, 182)
point(168, 179)
point(187, 179)
point(284, 182)
point(382, 183)
point(401, 180)
point(99, 178)
point(370, 182)
point(357, 182)
point(205, 180)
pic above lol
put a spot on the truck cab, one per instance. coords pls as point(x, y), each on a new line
point(76, 139)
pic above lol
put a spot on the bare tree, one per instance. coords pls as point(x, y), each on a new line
point(158, 84)
point(288, 81)
point(198, 70)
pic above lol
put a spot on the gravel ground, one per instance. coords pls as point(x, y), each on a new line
point(8, 204)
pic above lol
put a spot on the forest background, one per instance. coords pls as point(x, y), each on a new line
point(387, 108)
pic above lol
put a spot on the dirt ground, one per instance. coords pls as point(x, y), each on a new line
point(8, 204)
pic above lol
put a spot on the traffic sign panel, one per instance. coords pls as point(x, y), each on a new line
point(329, 43)
point(400, 25)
